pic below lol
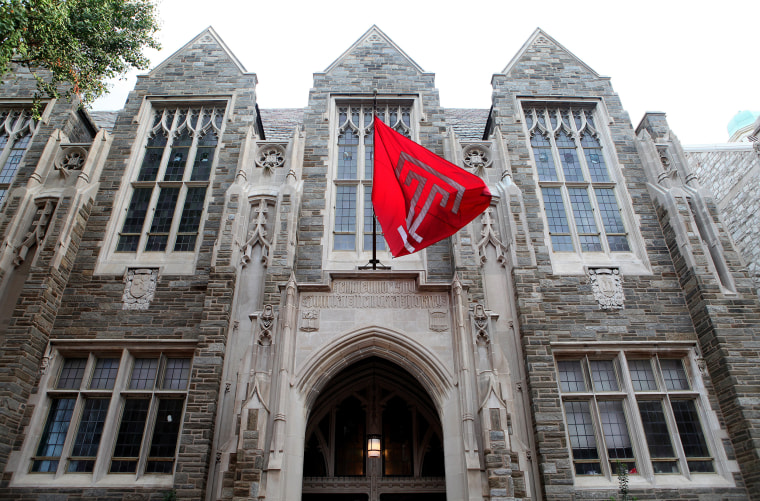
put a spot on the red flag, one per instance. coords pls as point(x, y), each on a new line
point(419, 197)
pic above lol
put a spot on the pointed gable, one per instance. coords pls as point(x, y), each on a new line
point(374, 48)
point(553, 55)
point(207, 48)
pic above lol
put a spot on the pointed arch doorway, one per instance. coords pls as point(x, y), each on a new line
point(373, 402)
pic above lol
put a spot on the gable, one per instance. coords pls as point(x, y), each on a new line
point(374, 47)
point(208, 49)
point(542, 53)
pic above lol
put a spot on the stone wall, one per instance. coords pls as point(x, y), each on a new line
point(732, 173)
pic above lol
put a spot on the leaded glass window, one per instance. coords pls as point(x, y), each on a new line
point(606, 401)
point(144, 407)
point(581, 207)
point(169, 191)
point(16, 130)
point(354, 134)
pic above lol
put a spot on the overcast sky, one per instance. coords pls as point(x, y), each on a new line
point(698, 61)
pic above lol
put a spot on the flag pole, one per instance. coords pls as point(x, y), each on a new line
point(374, 261)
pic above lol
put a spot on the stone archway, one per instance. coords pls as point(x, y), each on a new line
point(373, 397)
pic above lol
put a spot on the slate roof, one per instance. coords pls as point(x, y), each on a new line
point(468, 123)
point(104, 119)
point(279, 123)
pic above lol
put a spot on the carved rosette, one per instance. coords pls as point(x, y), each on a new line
point(139, 288)
point(607, 287)
point(270, 156)
point(477, 157)
point(70, 158)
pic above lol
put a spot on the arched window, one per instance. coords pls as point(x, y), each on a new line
point(374, 399)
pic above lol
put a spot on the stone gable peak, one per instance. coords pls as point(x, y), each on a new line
point(209, 40)
point(374, 44)
point(542, 42)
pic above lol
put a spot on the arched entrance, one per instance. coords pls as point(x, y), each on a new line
point(373, 399)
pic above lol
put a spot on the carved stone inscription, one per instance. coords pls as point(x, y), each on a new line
point(396, 294)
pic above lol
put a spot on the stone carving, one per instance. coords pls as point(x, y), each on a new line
point(70, 158)
point(477, 157)
point(490, 236)
point(139, 288)
point(266, 321)
point(257, 235)
point(37, 231)
point(439, 321)
point(310, 320)
point(481, 324)
point(391, 294)
point(270, 156)
point(607, 287)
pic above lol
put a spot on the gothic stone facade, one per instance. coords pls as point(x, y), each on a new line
point(186, 306)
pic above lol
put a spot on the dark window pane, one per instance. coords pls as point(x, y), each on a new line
point(656, 429)
point(314, 459)
point(350, 435)
point(14, 158)
point(177, 373)
point(163, 445)
point(154, 150)
point(72, 373)
point(54, 435)
point(204, 157)
point(613, 222)
point(345, 217)
point(129, 438)
point(615, 430)
point(594, 159)
point(398, 451)
point(190, 221)
point(689, 429)
point(583, 212)
point(133, 224)
point(162, 219)
point(88, 437)
point(104, 375)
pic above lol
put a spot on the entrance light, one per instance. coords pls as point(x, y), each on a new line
point(373, 446)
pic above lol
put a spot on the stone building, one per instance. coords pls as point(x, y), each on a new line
point(186, 306)
point(732, 172)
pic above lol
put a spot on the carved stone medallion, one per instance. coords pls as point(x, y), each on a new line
point(270, 157)
point(607, 287)
point(476, 157)
point(139, 288)
point(439, 321)
point(310, 320)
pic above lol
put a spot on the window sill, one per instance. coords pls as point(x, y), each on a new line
point(571, 263)
point(697, 481)
point(171, 263)
point(43, 480)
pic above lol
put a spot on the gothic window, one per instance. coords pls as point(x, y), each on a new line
point(16, 130)
point(579, 193)
point(169, 188)
point(354, 134)
point(111, 413)
point(610, 401)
